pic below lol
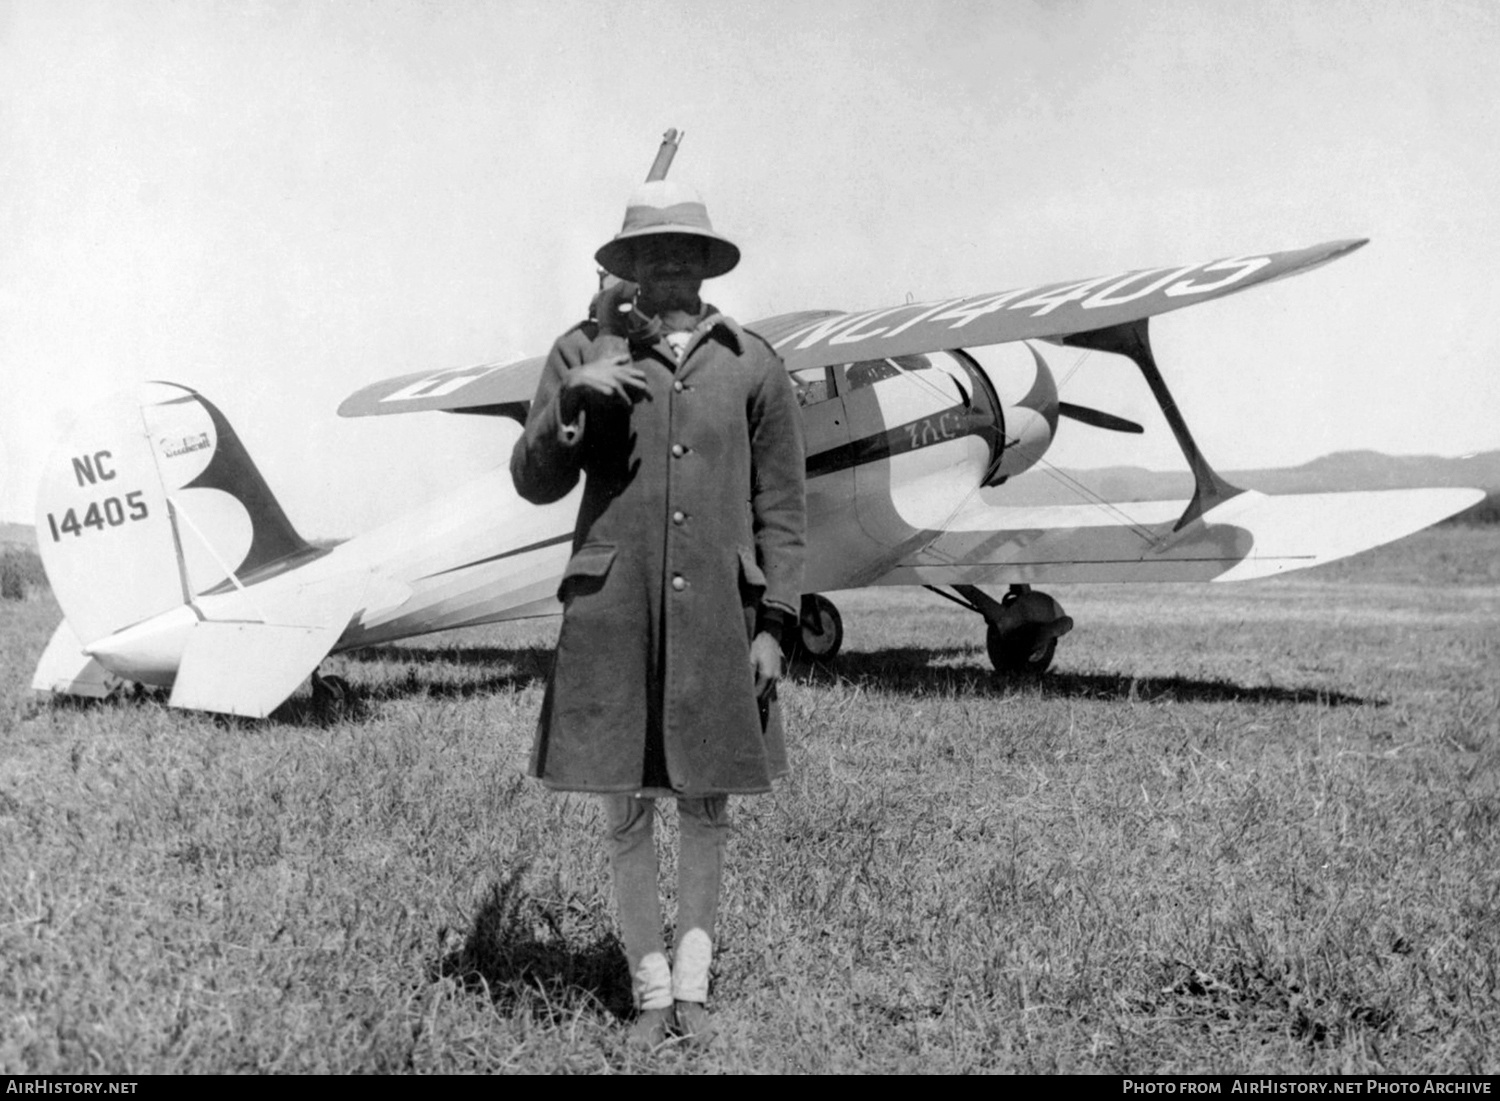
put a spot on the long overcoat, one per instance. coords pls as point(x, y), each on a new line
point(692, 521)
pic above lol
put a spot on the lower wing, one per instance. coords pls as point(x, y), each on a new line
point(1250, 535)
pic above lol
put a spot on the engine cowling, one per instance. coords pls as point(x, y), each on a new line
point(1027, 393)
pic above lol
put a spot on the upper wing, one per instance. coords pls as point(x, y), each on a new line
point(504, 389)
point(1250, 535)
point(821, 338)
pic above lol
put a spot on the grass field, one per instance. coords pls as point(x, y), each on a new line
point(1240, 828)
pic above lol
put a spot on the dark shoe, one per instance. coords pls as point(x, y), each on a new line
point(694, 1025)
point(650, 1029)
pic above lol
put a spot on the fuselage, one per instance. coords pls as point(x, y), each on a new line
point(895, 447)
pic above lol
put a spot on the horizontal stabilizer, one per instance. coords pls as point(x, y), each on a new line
point(241, 652)
point(250, 666)
point(247, 668)
point(65, 670)
point(1250, 535)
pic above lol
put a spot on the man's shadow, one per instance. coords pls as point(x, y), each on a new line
point(520, 953)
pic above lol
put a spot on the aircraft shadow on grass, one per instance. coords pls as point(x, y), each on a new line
point(504, 670)
point(914, 670)
point(952, 670)
point(923, 670)
point(518, 951)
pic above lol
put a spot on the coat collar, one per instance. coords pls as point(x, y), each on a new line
point(714, 324)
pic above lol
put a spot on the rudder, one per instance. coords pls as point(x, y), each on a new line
point(150, 501)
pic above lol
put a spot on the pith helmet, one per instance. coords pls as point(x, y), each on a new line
point(665, 206)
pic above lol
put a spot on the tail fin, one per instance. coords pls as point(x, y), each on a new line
point(151, 501)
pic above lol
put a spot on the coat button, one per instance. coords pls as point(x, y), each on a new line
point(678, 450)
point(679, 582)
point(678, 386)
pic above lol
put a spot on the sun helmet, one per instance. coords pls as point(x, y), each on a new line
point(666, 207)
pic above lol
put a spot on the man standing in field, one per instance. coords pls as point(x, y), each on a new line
point(686, 570)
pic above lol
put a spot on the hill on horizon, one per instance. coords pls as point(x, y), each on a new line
point(23, 534)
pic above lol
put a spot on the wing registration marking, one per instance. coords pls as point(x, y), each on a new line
point(441, 384)
point(1100, 292)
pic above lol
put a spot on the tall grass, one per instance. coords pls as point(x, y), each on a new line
point(1240, 828)
point(21, 573)
point(1484, 514)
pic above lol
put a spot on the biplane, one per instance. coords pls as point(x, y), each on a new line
point(176, 567)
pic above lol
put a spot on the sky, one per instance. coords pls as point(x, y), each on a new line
point(278, 203)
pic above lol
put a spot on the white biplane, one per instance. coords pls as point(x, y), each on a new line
point(175, 566)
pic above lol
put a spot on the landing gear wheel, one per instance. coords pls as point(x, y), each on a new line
point(1016, 651)
point(331, 697)
point(820, 628)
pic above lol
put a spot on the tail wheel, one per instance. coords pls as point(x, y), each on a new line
point(331, 697)
point(1017, 651)
point(820, 629)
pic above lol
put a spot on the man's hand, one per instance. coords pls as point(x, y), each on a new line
point(765, 660)
point(602, 381)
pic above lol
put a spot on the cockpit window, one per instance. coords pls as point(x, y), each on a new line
point(870, 371)
point(940, 373)
point(811, 385)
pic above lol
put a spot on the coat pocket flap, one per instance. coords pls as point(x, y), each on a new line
point(750, 571)
point(591, 561)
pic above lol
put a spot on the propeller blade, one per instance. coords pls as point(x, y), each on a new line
point(1108, 421)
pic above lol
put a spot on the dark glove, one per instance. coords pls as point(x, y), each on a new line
point(613, 305)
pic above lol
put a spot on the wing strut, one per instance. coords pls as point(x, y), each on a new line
point(1131, 340)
